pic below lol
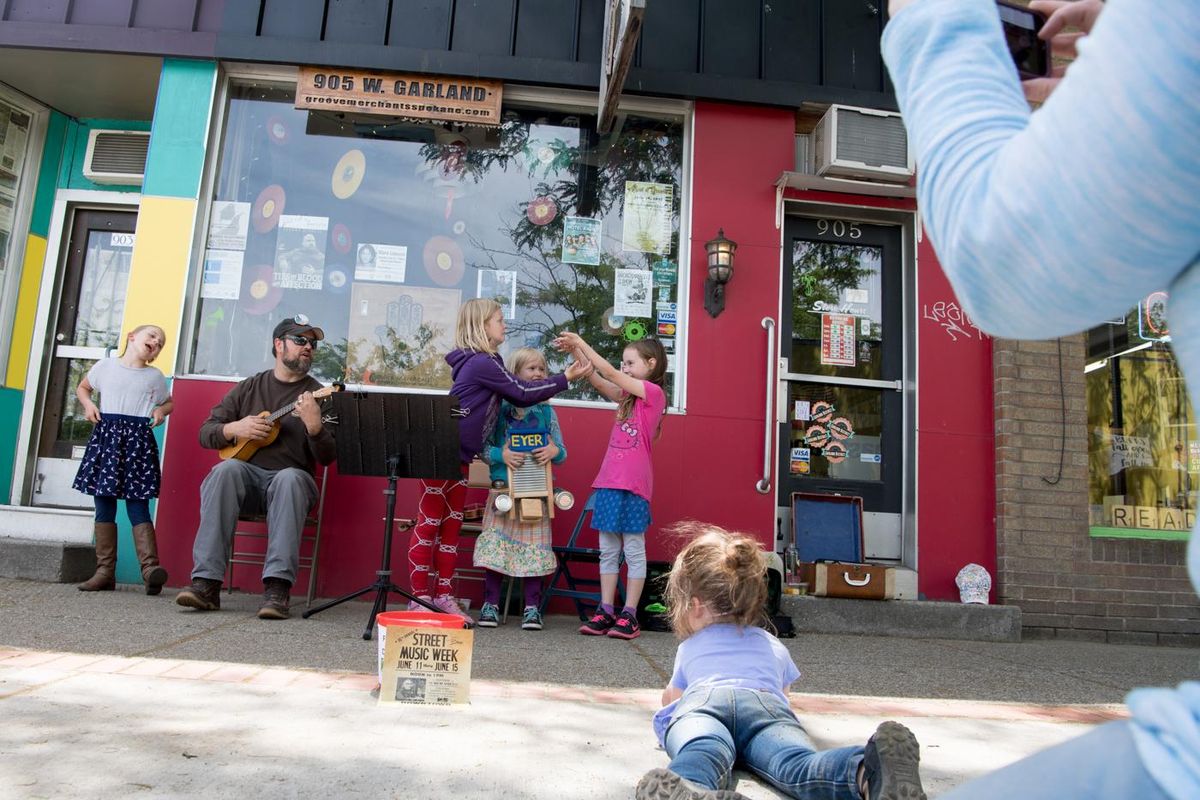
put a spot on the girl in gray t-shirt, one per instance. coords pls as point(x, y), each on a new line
point(121, 458)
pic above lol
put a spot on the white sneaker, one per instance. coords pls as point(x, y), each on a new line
point(414, 606)
point(447, 604)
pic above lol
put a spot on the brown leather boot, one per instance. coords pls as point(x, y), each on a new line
point(146, 546)
point(106, 560)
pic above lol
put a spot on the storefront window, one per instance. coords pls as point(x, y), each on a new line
point(379, 228)
point(1143, 451)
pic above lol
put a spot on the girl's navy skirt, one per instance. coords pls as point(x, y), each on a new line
point(121, 459)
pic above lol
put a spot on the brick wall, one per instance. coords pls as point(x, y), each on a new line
point(1067, 584)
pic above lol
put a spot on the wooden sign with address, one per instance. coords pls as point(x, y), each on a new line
point(428, 97)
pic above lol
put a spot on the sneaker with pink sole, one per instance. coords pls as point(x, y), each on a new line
point(415, 606)
point(449, 605)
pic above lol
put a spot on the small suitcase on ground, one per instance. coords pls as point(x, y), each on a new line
point(855, 581)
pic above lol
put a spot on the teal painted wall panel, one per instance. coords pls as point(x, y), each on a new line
point(71, 174)
point(10, 420)
point(52, 156)
point(180, 132)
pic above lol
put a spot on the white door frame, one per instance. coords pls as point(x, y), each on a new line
point(66, 202)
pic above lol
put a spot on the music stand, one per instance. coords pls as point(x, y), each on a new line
point(396, 436)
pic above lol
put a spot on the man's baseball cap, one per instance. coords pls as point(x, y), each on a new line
point(296, 325)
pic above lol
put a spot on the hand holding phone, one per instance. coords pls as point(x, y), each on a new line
point(1060, 14)
point(1022, 29)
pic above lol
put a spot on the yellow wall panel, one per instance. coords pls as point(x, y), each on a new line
point(159, 270)
point(27, 300)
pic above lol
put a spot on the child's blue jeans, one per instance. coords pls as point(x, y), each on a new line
point(713, 729)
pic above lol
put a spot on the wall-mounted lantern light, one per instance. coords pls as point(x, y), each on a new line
point(720, 269)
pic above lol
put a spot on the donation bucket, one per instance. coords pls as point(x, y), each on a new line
point(424, 657)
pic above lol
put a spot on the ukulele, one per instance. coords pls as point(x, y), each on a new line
point(243, 449)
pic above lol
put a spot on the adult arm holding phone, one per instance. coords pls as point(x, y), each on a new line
point(1051, 221)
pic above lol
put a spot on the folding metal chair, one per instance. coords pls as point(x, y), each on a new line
point(584, 591)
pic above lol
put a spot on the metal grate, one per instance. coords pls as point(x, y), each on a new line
point(120, 153)
point(873, 140)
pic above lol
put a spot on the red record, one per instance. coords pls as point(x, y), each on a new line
point(341, 239)
point(260, 294)
point(268, 208)
point(541, 211)
point(444, 261)
point(277, 130)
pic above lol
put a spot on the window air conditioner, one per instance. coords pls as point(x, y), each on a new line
point(861, 143)
point(116, 157)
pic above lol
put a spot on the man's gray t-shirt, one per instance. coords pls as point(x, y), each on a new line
point(125, 390)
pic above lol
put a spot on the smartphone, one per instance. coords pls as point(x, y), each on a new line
point(1021, 28)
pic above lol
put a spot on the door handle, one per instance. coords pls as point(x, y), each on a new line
point(763, 486)
point(38, 482)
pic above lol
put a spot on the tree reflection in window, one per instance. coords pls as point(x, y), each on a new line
point(482, 199)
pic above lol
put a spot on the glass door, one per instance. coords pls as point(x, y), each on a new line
point(87, 328)
point(842, 347)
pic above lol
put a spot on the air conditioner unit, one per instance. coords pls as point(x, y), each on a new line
point(116, 157)
point(861, 143)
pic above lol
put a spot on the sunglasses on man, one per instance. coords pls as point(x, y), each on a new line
point(300, 341)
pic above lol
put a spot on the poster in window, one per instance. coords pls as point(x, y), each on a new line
point(647, 217)
point(222, 279)
point(838, 340)
point(386, 263)
point(228, 225)
point(499, 285)
point(581, 241)
point(632, 290)
point(14, 133)
point(300, 252)
point(398, 334)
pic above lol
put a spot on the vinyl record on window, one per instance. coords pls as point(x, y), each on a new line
point(337, 279)
point(348, 174)
point(612, 323)
point(261, 294)
point(541, 210)
point(277, 130)
point(444, 261)
point(264, 216)
point(340, 238)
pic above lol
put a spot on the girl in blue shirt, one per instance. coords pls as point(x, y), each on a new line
point(727, 699)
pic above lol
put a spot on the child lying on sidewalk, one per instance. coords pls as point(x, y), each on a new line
point(727, 699)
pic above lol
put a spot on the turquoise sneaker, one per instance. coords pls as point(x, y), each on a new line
point(489, 616)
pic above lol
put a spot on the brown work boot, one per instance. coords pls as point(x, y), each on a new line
point(153, 575)
point(277, 599)
point(105, 579)
point(203, 595)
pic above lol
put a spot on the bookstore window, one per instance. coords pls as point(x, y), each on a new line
point(379, 228)
point(1143, 450)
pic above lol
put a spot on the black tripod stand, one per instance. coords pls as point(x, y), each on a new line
point(409, 436)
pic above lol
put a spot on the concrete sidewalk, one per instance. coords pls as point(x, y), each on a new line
point(118, 694)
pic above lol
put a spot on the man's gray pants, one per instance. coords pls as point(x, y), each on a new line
point(235, 486)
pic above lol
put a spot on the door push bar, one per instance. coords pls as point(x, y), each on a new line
point(763, 486)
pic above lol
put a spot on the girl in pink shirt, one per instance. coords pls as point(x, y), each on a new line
point(621, 511)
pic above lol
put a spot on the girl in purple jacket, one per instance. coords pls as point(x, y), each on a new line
point(480, 382)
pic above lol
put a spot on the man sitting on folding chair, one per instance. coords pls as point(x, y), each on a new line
point(271, 434)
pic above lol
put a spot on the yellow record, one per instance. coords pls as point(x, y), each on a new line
point(348, 174)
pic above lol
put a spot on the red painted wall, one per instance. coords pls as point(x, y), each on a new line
point(707, 460)
point(956, 455)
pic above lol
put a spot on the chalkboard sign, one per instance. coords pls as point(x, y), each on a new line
point(827, 527)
